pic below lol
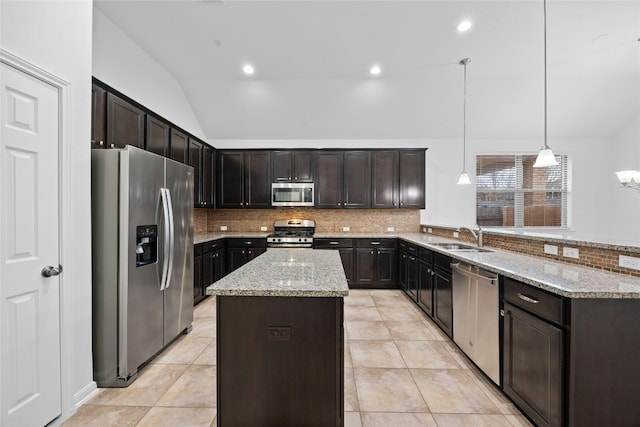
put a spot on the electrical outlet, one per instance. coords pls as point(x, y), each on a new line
point(551, 249)
point(223, 228)
point(345, 229)
point(629, 262)
point(391, 229)
point(429, 230)
point(456, 234)
point(424, 229)
point(571, 253)
point(263, 228)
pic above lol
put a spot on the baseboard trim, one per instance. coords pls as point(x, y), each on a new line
point(87, 392)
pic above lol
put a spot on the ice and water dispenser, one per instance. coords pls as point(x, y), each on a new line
point(146, 245)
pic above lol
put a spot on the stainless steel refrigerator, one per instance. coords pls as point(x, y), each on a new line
point(142, 240)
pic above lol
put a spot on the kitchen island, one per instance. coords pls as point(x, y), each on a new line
point(280, 341)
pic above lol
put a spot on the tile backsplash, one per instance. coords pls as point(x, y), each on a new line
point(327, 220)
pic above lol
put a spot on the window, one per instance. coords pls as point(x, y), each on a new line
point(510, 192)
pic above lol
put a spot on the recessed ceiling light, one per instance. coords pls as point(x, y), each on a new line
point(248, 69)
point(375, 70)
point(464, 26)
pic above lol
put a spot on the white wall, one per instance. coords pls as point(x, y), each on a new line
point(122, 64)
point(56, 36)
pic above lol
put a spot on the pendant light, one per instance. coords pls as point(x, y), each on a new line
point(464, 176)
point(545, 156)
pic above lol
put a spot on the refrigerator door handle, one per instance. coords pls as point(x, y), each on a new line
point(166, 238)
point(171, 237)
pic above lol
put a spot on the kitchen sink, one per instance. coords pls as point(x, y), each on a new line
point(459, 247)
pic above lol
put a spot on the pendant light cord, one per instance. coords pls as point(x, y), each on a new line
point(464, 63)
point(544, 3)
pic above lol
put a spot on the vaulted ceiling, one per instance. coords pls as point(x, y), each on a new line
point(312, 61)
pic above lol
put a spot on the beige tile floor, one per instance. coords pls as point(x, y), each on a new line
point(400, 370)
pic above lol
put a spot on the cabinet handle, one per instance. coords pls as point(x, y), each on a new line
point(371, 252)
point(338, 203)
point(334, 243)
point(412, 258)
point(243, 252)
point(527, 298)
point(375, 243)
point(247, 243)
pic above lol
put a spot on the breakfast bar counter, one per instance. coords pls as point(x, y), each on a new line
point(280, 340)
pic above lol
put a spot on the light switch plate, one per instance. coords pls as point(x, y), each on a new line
point(456, 234)
point(551, 249)
point(223, 228)
point(429, 230)
point(629, 262)
point(345, 229)
point(263, 228)
point(571, 253)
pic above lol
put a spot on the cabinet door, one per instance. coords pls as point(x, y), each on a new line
point(386, 274)
point(254, 252)
point(125, 123)
point(195, 160)
point(347, 255)
point(328, 184)
point(302, 165)
point(230, 179)
point(207, 270)
point(442, 304)
point(218, 265)
point(412, 179)
point(207, 178)
point(98, 117)
point(532, 368)
point(412, 277)
point(236, 258)
point(357, 179)
point(402, 269)
point(384, 179)
point(157, 140)
point(257, 184)
point(365, 267)
point(179, 146)
point(197, 278)
point(425, 291)
point(281, 166)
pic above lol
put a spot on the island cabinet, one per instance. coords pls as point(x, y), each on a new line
point(343, 179)
point(292, 166)
point(376, 265)
point(157, 136)
point(244, 179)
point(125, 123)
point(242, 250)
point(571, 361)
point(347, 254)
point(442, 293)
point(208, 266)
point(198, 290)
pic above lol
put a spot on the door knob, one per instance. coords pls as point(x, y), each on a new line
point(49, 271)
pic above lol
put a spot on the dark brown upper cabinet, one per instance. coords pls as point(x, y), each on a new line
point(201, 157)
point(98, 117)
point(158, 132)
point(385, 191)
point(125, 123)
point(412, 179)
point(179, 146)
point(244, 179)
point(343, 179)
point(292, 166)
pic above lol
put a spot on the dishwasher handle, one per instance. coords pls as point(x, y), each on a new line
point(491, 279)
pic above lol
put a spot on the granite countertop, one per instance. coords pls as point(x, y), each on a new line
point(207, 237)
point(569, 280)
point(284, 272)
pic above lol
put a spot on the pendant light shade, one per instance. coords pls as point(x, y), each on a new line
point(464, 176)
point(545, 156)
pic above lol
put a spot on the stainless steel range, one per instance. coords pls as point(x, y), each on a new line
point(292, 233)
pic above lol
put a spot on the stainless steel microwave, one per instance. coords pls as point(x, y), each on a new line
point(292, 194)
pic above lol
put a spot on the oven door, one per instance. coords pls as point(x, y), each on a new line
point(291, 194)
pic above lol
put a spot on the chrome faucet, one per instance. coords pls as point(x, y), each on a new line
point(477, 236)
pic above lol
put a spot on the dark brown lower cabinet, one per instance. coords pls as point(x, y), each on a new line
point(240, 251)
point(425, 291)
point(442, 293)
point(347, 254)
point(280, 361)
point(198, 295)
point(376, 264)
point(533, 365)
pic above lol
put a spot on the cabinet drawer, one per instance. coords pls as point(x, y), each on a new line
point(243, 242)
point(442, 262)
point(212, 245)
point(544, 304)
point(425, 255)
point(375, 243)
point(332, 243)
point(408, 247)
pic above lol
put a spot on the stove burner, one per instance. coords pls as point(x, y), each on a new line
point(292, 233)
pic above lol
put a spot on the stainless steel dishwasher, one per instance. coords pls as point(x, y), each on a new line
point(476, 316)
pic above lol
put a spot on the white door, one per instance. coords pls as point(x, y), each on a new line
point(30, 302)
